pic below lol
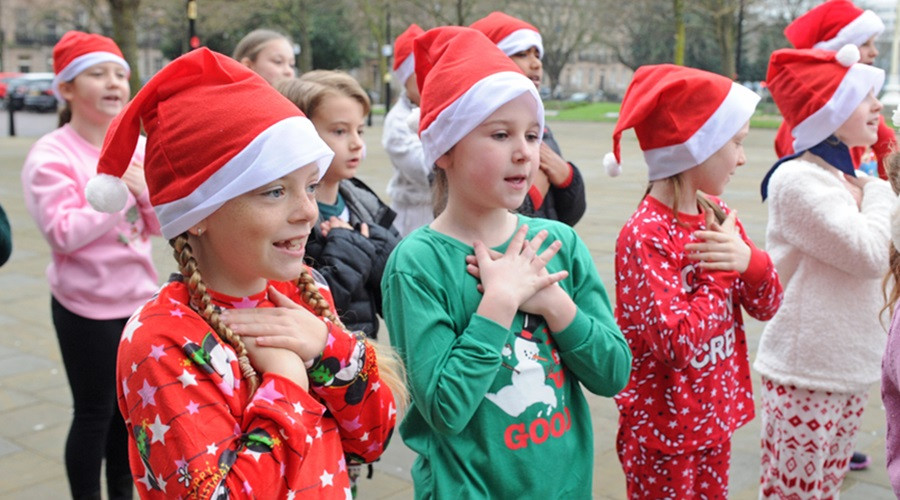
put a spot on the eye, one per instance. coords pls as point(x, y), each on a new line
point(340, 131)
point(361, 131)
point(533, 137)
point(312, 189)
point(276, 192)
point(500, 135)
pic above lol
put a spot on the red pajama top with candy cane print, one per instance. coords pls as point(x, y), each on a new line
point(690, 382)
point(195, 432)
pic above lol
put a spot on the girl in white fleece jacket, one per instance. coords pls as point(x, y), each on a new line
point(828, 234)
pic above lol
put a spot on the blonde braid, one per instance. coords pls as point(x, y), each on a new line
point(390, 367)
point(202, 303)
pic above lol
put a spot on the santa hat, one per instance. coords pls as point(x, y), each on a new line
point(77, 51)
point(817, 90)
point(512, 35)
point(215, 130)
point(681, 116)
point(404, 61)
point(832, 25)
point(463, 79)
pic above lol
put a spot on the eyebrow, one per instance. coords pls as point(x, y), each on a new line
point(506, 123)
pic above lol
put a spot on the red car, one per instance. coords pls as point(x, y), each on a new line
point(5, 76)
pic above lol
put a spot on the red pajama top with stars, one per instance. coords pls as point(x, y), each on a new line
point(690, 383)
point(195, 432)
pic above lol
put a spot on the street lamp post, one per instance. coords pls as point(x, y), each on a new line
point(193, 40)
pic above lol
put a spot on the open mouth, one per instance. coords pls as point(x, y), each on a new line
point(293, 245)
point(517, 181)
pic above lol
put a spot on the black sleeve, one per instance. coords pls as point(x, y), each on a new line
point(345, 259)
point(569, 201)
point(384, 239)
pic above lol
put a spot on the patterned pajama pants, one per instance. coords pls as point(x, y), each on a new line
point(653, 474)
point(807, 440)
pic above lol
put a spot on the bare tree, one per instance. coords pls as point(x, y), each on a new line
point(678, 9)
point(123, 14)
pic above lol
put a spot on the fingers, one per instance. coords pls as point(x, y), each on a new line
point(549, 252)
point(364, 229)
point(281, 300)
point(518, 240)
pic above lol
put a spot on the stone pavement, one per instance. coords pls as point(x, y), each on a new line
point(35, 403)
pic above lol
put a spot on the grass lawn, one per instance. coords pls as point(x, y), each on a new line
point(609, 112)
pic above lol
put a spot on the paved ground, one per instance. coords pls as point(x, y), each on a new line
point(35, 404)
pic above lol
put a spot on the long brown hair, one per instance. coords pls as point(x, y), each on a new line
point(889, 288)
point(252, 43)
point(706, 205)
point(390, 367)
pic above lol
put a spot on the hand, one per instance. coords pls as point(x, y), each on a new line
point(553, 166)
point(278, 361)
point(134, 179)
point(333, 222)
point(288, 326)
point(723, 249)
point(551, 301)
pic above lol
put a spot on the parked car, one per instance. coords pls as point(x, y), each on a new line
point(580, 97)
point(39, 96)
point(19, 86)
point(5, 77)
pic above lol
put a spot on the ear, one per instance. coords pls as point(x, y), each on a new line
point(196, 231)
point(246, 61)
point(445, 161)
point(67, 90)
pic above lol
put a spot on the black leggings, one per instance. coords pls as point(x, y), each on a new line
point(98, 431)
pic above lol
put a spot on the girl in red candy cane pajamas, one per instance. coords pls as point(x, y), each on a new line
point(684, 268)
point(237, 379)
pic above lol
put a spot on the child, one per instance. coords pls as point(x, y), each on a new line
point(269, 53)
point(558, 189)
point(499, 332)
point(830, 26)
point(102, 264)
point(409, 187)
point(890, 363)
point(353, 237)
point(828, 232)
point(237, 379)
point(684, 269)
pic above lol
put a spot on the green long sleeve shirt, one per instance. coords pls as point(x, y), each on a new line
point(499, 412)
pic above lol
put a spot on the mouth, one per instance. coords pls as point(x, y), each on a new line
point(293, 245)
point(112, 99)
point(517, 181)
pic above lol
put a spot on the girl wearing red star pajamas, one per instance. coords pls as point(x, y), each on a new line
point(238, 379)
point(684, 269)
point(829, 234)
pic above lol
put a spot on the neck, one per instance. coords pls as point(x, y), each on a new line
point(89, 130)
point(664, 191)
point(327, 192)
point(492, 227)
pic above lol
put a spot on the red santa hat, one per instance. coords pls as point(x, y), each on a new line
point(77, 51)
point(215, 130)
point(404, 61)
point(463, 78)
point(681, 116)
point(817, 90)
point(832, 25)
point(512, 35)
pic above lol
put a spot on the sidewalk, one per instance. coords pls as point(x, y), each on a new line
point(35, 404)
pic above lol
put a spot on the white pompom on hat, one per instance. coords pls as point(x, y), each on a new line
point(215, 130)
point(817, 90)
point(681, 116)
point(463, 78)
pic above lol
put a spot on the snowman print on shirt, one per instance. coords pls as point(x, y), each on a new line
point(528, 381)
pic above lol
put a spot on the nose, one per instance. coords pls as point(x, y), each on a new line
point(305, 210)
point(742, 158)
point(357, 142)
point(288, 71)
point(536, 62)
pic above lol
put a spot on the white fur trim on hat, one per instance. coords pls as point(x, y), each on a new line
point(856, 32)
point(412, 119)
point(82, 63)
point(895, 117)
point(734, 111)
point(277, 151)
point(106, 193)
point(521, 40)
point(470, 109)
point(856, 85)
point(406, 70)
point(613, 168)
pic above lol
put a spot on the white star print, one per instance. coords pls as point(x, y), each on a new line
point(159, 431)
point(131, 327)
point(187, 378)
point(326, 478)
point(211, 449)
